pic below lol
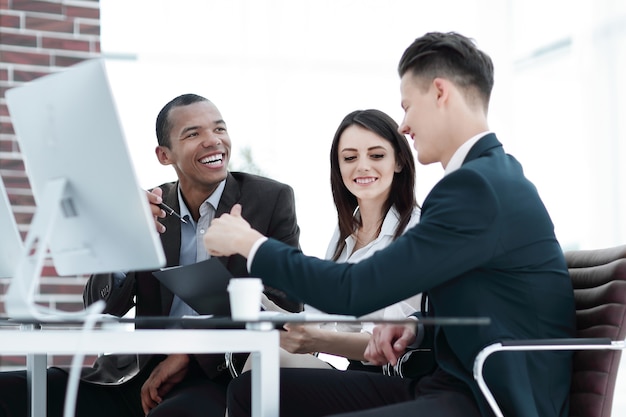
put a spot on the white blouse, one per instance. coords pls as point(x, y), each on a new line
point(399, 310)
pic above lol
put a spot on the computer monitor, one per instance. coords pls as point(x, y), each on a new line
point(10, 239)
point(91, 213)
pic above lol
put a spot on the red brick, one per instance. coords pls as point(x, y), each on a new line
point(8, 21)
point(70, 306)
point(86, 12)
point(22, 197)
point(24, 218)
point(25, 76)
point(11, 165)
point(7, 145)
point(61, 60)
point(25, 57)
point(88, 29)
point(61, 19)
point(50, 271)
point(13, 360)
point(51, 288)
point(6, 127)
point(65, 44)
point(17, 182)
point(38, 6)
point(49, 25)
point(66, 360)
point(18, 39)
point(23, 201)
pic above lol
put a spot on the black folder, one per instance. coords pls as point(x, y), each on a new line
point(203, 286)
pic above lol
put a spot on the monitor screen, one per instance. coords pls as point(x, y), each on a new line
point(10, 239)
point(91, 213)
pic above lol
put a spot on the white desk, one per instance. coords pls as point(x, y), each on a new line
point(263, 346)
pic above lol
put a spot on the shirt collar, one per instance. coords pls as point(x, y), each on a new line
point(213, 200)
point(390, 222)
point(388, 227)
point(459, 156)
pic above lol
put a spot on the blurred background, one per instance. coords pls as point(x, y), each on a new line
point(284, 74)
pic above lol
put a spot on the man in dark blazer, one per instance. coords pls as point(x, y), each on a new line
point(193, 139)
point(484, 247)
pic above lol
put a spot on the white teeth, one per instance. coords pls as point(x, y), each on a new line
point(212, 159)
point(365, 180)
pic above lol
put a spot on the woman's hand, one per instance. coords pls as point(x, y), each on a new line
point(299, 338)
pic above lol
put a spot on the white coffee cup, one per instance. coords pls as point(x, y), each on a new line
point(245, 298)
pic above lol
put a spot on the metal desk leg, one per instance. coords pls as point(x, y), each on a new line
point(36, 365)
point(36, 376)
point(265, 381)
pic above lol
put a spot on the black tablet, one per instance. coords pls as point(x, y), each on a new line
point(201, 285)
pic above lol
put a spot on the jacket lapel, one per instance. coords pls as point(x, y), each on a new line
point(171, 244)
point(230, 197)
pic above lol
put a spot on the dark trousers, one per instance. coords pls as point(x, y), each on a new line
point(194, 396)
point(326, 392)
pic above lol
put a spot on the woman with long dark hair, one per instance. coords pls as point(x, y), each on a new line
point(372, 177)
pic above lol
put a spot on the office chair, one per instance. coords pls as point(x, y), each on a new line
point(599, 281)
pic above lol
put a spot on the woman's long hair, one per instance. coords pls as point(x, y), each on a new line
point(402, 193)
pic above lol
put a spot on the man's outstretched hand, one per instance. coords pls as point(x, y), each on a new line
point(230, 234)
point(388, 343)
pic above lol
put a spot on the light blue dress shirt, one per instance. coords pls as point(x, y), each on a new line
point(191, 245)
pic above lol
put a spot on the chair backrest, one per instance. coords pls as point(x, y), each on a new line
point(599, 280)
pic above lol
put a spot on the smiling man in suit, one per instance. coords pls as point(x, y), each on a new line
point(193, 139)
point(485, 246)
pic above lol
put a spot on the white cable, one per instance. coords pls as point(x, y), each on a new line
point(93, 314)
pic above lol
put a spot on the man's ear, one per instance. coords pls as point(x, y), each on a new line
point(163, 155)
point(441, 87)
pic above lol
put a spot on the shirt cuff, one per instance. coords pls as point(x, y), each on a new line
point(253, 250)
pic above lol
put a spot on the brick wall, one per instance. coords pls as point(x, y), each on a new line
point(39, 38)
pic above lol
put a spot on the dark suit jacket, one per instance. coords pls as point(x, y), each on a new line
point(485, 246)
point(268, 205)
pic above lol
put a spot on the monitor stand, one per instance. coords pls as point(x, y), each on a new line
point(19, 300)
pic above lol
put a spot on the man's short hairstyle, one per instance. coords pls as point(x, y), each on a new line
point(451, 56)
point(163, 125)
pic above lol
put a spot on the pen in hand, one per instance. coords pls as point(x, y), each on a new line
point(167, 209)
